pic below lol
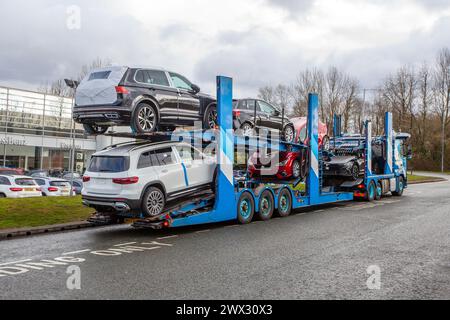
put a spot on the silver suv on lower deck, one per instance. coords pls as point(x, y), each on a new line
point(143, 177)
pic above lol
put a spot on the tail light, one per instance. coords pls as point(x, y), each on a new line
point(16, 189)
point(236, 113)
point(52, 189)
point(122, 90)
point(131, 180)
point(361, 186)
point(86, 179)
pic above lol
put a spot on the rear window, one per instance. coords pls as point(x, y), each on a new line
point(25, 182)
point(60, 183)
point(109, 164)
point(40, 182)
point(99, 75)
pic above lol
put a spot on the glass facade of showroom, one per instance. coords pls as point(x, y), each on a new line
point(37, 132)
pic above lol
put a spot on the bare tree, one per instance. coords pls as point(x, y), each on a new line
point(267, 93)
point(307, 81)
point(399, 92)
point(441, 92)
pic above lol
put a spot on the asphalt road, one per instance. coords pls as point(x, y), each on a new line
point(321, 253)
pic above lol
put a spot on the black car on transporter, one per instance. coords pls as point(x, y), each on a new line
point(146, 99)
point(251, 115)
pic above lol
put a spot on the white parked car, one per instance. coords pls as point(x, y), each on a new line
point(142, 177)
point(18, 187)
point(54, 187)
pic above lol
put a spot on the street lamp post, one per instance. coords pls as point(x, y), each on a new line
point(73, 85)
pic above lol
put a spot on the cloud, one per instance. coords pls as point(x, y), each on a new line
point(259, 44)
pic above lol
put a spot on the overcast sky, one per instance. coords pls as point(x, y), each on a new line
point(257, 42)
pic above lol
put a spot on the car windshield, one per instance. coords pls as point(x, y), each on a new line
point(60, 183)
point(109, 164)
point(25, 182)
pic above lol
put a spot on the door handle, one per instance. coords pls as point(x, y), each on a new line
point(165, 171)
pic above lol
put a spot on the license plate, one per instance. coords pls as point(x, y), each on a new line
point(65, 190)
point(29, 189)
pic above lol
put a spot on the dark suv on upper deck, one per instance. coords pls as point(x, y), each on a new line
point(146, 99)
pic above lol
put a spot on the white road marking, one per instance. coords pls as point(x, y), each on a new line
point(76, 252)
point(319, 210)
point(124, 244)
point(155, 243)
point(168, 237)
point(14, 262)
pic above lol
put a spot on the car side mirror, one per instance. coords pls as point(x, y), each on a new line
point(195, 88)
point(276, 113)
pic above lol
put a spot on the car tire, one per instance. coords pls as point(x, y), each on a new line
point(245, 208)
point(247, 129)
point(2, 195)
point(296, 169)
point(355, 172)
point(401, 187)
point(266, 205)
point(305, 164)
point(289, 133)
point(284, 203)
point(144, 118)
point(210, 120)
point(153, 202)
point(326, 143)
point(93, 129)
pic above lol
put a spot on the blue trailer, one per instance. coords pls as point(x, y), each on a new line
point(242, 199)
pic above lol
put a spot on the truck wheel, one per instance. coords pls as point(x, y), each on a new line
point(93, 129)
point(153, 202)
point(371, 192)
point(246, 208)
point(401, 187)
point(266, 205)
point(379, 191)
point(284, 203)
point(144, 119)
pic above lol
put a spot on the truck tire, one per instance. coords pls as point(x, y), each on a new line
point(266, 205)
point(379, 191)
point(245, 208)
point(371, 191)
point(401, 187)
point(284, 203)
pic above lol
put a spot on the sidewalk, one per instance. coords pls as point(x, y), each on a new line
point(23, 232)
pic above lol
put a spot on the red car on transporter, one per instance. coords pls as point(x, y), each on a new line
point(291, 165)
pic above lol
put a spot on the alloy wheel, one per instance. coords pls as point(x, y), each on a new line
point(289, 134)
point(147, 118)
point(155, 203)
point(212, 118)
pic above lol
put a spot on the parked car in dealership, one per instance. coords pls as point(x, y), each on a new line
point(142, 178)
point(77, 186)
point(70, 176)
point(250, 115)
point(54, 187)
point(147, 99)
point(13, 186)
point(12, 171)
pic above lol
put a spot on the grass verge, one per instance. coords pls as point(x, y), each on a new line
point(417, 179)
point(35, 212)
